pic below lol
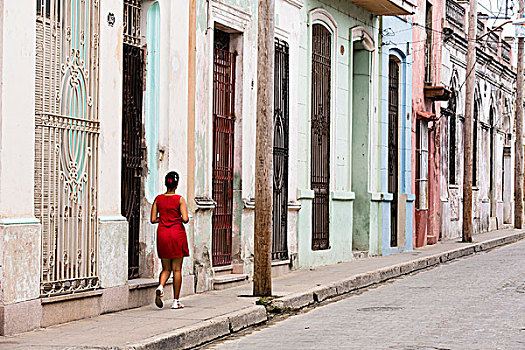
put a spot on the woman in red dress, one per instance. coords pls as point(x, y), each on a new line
point(170, 211)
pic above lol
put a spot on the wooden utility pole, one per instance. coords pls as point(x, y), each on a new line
point(467, 133)
point(262, 272)
point(518, 143)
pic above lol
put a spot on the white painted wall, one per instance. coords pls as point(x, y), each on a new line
point(110, 108)
point(17, 108)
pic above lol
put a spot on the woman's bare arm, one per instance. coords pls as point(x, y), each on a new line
point(184, 210)
point(154, 213)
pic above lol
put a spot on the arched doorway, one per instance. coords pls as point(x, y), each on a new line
point(393, 144)
point(320, 134)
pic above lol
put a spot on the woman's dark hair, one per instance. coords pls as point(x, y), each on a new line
point(172, 180)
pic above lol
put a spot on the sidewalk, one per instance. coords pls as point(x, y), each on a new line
point(214, 314)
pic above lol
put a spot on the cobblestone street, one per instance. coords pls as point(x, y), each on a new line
point(473, 303)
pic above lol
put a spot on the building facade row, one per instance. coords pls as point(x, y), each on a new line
point(100, 98)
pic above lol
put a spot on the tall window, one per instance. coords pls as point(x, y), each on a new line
point(223, 147)
point(320, 134)
point(280, 152)
point(428, 45)
point(421, 165)
point(491, 159)
point(393, 143)
point(452, 140)
point(66, 143)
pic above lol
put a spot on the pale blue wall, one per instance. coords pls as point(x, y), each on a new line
point(152, 100)
point(396, 34)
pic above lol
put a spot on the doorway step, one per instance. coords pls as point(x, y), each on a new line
point(228, 276)
point(360, 254)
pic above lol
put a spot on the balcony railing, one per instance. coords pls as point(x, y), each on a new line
point(455, 14)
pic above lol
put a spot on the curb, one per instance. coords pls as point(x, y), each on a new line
point(207, 331)
point(297, 301)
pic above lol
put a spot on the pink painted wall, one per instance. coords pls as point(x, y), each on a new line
point(426, 228)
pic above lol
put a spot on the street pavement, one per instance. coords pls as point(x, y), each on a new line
point(477, 302)
point(215, 314)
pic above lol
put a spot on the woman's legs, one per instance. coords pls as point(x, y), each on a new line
point(176, 266)
point(166, 272)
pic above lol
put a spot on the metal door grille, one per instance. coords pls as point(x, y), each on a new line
point(393, 143)
point(132, 150)
point(452, 139)
point(280, 153)
point(223, 138)
point(320, 135)
point(132, 12)
point(66, 143)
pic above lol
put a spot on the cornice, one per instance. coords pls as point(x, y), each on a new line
point(296, 3)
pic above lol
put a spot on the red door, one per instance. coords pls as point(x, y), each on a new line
point(223, 137)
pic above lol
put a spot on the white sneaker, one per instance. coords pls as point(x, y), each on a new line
point(159, 293)
point(177, 304)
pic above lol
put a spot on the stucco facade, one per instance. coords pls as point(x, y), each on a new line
point(395, 55)
point(21, 232)
point(232, 26)
point(493, 171)
point(348, 89)
point(353, 90)
point(426, 126)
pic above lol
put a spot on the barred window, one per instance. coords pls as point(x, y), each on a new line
point(452, 140)
point(421, 165)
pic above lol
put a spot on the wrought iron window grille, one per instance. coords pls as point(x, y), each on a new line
point(320, 135)
point(66, 144)
point(280, 151)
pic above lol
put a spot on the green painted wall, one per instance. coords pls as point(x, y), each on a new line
point(342, 203)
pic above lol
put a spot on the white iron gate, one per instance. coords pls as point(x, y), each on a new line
point(66, 143)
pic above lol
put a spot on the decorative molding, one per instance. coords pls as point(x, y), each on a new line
point(294, 206)
point(484, 125)
point(205, 203)
point(111, 218)
point(305, 194)
point(362, 34)
point(296, 3)
point(249, 203)
point(282, 34)
point(382, 197)
point(321, 15)
point(411, 197)
point(342, 196)
point(19, 221)
point(229, 15)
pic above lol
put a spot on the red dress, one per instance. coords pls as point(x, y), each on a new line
point(171, 235)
